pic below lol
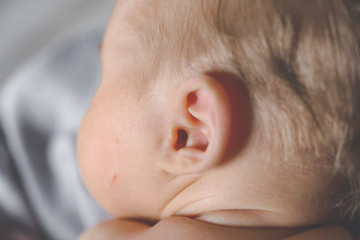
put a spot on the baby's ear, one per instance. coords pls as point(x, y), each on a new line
point(204, 122)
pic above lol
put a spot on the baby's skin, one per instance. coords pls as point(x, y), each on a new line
point(179, 228)
point(174, 155)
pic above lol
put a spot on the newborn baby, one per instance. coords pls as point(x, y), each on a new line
point(226, 120)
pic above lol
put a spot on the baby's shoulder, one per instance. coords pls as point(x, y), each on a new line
point(177, 228)
point(174, 228)
point(180, 228)
point(185, 228)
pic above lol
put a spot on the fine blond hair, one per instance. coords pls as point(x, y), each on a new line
point(300, 61)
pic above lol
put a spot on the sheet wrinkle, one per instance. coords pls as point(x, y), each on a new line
point(40, 111)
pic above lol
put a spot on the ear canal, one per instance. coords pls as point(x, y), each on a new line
point(181, 139)
point(193, 139)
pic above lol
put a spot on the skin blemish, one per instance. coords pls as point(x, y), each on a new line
point(114, 178)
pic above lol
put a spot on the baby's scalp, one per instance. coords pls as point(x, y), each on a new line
point(299, 61)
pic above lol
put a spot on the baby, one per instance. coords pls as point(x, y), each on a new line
point(226, 120)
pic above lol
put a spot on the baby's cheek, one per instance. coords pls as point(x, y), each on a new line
point(92, 154)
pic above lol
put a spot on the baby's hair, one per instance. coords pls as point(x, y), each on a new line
point(306, 85)
point(300, 61)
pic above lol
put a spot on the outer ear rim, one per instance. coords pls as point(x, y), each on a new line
point(191, 160)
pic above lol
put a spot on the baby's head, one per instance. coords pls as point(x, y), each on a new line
point(241, 113)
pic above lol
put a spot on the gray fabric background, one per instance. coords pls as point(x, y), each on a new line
point(49, 70)
point(27, 27)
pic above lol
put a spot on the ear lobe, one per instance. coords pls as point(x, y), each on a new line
point(201, 126)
